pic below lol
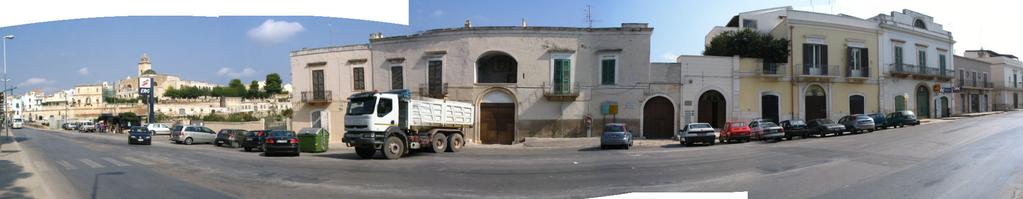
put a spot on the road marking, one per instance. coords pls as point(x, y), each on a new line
point(41, 166)
point(91, 163)
point(136, 160)
point(116, 162)
point(66, 165)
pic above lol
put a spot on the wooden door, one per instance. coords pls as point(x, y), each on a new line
point(497, 123)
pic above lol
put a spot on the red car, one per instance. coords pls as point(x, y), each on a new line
point(737, 131)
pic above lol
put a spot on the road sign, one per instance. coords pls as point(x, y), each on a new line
point(145, 82)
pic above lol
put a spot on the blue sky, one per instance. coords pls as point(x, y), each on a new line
point(61, 54)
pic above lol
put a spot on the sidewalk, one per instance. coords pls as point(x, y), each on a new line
point(958, 116)
point(18, 178)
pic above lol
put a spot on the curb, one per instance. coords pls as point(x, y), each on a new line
point(33, 183)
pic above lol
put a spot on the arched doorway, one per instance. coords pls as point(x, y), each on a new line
point(900, 103)
point(497, 118)
point(769, 107)
point(923, 107)
point(856, 104)
point(658, 118)
point(711, 109)
point(496, 67)
point(816, 102)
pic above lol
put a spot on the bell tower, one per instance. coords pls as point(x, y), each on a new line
point(144, 64)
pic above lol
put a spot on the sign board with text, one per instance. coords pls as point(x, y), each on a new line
point(145, 86)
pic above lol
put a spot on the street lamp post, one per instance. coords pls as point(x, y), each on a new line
point(6, 91)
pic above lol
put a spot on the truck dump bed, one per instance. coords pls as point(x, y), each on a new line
point(440, 113)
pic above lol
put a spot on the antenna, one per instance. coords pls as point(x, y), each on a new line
point(589, 17)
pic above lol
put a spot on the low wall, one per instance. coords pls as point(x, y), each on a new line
point(216, 126)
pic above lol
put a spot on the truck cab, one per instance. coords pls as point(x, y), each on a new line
point(386, 121)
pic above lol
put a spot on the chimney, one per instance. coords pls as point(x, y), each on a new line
point(468, 23)
point(376, 35)
point(524, 24)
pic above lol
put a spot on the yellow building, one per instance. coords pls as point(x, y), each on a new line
point(832, 70)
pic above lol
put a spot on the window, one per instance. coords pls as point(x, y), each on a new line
point(397, 81)
point(384, 107)
point(919, 24)
point(496, 67)
point(941, 64)
point(315, 119)
point(562, 70)
point(815, 59)
point(749, 23)
point(857, 59)
point(898, 56)
point(922, 59)
point(358, 78)
point(318, 86)
point(435, 77)
point(608, 70)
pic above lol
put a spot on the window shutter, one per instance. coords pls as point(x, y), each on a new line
point(865, 62)
point(807, 57)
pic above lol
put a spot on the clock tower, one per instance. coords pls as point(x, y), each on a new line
point(144, 64)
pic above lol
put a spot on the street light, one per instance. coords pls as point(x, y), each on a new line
point(6, 91)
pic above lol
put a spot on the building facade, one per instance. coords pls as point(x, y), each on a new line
point(832, 70)
point(1007, 76)
point(916, 65)
point(973, 77)
point(524, 81)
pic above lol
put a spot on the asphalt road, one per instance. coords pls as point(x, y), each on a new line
point(968, 158)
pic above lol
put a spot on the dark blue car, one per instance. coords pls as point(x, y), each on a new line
point(139, 135)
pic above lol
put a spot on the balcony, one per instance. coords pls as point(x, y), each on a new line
point(989, 85)
point(858, 74)
point(903, 70)
point(817, 72)
point(435, 92)
point(772, 69)
point(561, 92)
point(323, 96)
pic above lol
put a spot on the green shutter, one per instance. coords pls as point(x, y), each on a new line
point(608, 72)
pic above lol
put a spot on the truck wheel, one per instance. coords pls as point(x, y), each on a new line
point(365, 152)
point(455, 142)
point(439, 143)
point(394, 148)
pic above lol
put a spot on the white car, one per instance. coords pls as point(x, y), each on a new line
point(158, 129)
point(17, 123)
point(697, 132)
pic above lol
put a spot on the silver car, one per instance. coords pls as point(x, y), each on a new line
point(697, 133)
point(190, 134)
point(857, 123)
point(615, 134)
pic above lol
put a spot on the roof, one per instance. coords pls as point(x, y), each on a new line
point(993, 53)
point(635, 27)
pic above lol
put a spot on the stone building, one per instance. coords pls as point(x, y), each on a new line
point(524, 81)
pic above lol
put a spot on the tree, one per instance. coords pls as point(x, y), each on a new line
point(254, 91)
point(149, 72)
point(273, 84)
point(236, 88)
point(749, 43)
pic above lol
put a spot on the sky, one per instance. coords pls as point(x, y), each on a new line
point(58, 55)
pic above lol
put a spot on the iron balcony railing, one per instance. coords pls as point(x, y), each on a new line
point(818, 70)
point(561, 92)
point(316, 96)
point(989, 84)
point(863, 72)
point(905, 69)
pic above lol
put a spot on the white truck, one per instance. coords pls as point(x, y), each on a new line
point(396, 124)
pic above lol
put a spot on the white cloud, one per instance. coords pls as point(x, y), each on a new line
point(437, 13)
point(272, 32)
point(232, 73)
point(83, 71)
point(36, 81)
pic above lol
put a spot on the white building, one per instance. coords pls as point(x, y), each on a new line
point(1007, 75)
point(916, 64)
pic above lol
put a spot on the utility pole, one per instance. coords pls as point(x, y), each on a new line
point(6, 89)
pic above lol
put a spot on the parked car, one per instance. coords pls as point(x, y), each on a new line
point(796, 128)
point(139, 135)
point(158, 129)
point(254, 140)
point(280, 142)
point(822, 127)
point(71, 126)
point(87, 126)
point(902, 118)
point(229, 137)
point(17, 123)
point(697, 133)
point(857, 123)
point(615, 134)
point(735, 131)
point(766, 130)
point(880, 120)
point(190, 134)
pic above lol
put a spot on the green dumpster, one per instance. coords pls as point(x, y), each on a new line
point(313, 140)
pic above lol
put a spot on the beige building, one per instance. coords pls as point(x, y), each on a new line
point(127, 88)
point(524, 81)
point(1006, 75)
point(973, 77)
